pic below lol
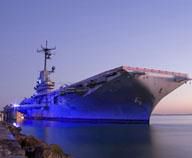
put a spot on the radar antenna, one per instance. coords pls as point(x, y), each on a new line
point(47, 52)
point(44, 84)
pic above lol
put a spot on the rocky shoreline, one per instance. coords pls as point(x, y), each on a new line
point(23, 146)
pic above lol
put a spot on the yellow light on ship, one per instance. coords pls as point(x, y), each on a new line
point(19, 117)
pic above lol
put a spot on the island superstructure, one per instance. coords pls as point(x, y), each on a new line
point(123, 94)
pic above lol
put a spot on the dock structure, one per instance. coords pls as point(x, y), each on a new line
point(1, 116)
point(9, 147)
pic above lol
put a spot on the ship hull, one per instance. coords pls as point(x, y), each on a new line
point(121, 95)
point(125, 113)
point(121, 100)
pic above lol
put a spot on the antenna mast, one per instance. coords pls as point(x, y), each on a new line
point(47, 52)
point(44, 83)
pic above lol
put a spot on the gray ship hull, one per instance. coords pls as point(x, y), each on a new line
point(120, 95)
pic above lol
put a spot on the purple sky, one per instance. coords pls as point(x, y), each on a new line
point(93, 36)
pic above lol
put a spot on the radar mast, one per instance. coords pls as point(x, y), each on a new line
point(44, 84)
point(47, 53)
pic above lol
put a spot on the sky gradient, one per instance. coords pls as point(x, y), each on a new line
point(92, 36)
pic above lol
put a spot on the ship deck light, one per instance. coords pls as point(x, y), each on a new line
point(16, 105)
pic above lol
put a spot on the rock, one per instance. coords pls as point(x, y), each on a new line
point(11, 148)
point(32, 147)
point(14, 130)
point(54, 151)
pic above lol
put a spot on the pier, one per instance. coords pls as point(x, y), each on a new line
point(9, 147)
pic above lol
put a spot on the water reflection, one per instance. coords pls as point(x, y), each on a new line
point(112, 141)
point(95, 141)
point(173, 141)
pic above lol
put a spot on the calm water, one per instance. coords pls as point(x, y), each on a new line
point(166, 137)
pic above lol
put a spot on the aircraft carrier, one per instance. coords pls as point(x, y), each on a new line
point(120, 95)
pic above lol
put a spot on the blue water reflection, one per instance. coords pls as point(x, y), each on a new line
point(115, 141)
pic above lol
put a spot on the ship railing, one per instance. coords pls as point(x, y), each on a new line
point(154, 71)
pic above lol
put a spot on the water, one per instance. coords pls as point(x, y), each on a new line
point(165, 137)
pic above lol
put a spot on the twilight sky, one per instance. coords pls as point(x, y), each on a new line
point(93, 36)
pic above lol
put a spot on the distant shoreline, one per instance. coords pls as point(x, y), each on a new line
point(169, 114)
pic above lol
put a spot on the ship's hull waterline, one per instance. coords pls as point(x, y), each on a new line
point(121, 95)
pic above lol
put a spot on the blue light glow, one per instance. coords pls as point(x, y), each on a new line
point(16, 105)
point(16, 124)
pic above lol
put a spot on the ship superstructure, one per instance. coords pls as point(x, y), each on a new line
point(44, 83)
point(123, 94)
